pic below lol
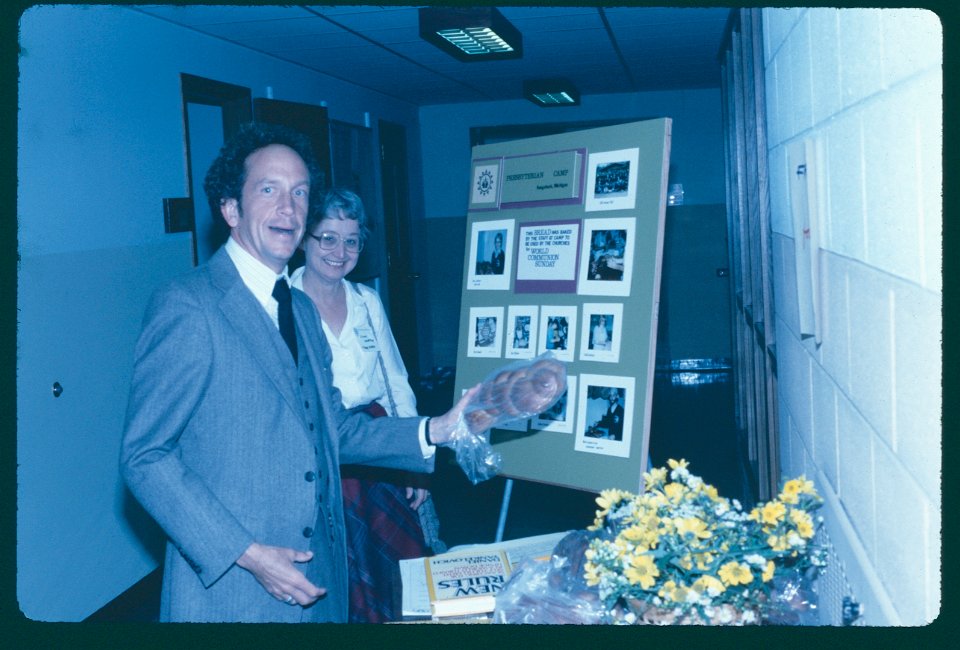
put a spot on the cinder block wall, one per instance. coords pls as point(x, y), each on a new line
point(860, 413)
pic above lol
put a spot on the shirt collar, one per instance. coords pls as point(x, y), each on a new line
point(258, 277)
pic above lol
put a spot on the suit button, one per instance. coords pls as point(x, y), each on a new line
point(306, 404)
point(308, 532)
point(301, 381)
point(309, 477)
point(311, 428)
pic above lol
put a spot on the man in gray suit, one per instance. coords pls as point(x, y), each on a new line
point(234, 437)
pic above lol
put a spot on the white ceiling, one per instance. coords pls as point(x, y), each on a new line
point(601, 49)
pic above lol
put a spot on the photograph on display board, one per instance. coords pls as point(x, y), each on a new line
point(605, 415)
point(612, 180)
point(521, 337)
point(485, 338)
point(491, 255)
point(606, 264)
point(560, 416)
point(602, 329)
point(558, 331)
point(547, 256)
point(485, 184)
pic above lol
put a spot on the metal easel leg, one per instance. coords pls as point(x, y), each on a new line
point(507, 489)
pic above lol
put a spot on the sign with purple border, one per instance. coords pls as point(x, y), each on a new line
point(548, 255)
point(543, 179)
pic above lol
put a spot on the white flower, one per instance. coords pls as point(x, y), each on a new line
point(794, 539)
point(755, 560)
point(749, 616)
point(725, 615)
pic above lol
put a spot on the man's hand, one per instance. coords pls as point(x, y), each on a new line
point(416, 497)
point(273, 568)
point(443, 426)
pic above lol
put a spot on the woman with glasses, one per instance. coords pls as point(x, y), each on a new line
point(380, 506)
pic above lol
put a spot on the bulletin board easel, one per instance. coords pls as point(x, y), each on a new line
point(609, 186)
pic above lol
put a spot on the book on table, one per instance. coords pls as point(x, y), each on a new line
point(466, 580)
point(462, 584)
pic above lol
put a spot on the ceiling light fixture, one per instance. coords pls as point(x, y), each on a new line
point(471, 33)
point(551, 92)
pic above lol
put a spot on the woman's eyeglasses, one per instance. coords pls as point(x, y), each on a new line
point(330, 240)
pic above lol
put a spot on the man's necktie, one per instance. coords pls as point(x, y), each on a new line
point(281, 293)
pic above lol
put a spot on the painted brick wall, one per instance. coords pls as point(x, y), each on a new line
point(860, 412)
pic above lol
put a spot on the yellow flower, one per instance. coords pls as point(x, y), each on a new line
point(655, 477)
point(591, 572)
point(778, 543)
point(793, 488)
point(710, 491)
point(735, 573)
point(708, 584)
point(803, 522)
point(674, 464)
point(642, 571)
point(772, 513)
point(672, 591)
point(704, 560)
point(692, 528)
point(674, 491)
point(610, 498)
point(768, 571)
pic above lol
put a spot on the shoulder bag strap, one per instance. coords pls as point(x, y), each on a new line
point(383, 369)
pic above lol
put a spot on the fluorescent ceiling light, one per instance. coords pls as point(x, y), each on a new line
point(471, 34)
point(551, 92)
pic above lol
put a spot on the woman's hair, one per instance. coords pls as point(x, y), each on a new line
point(227, 174)
point(339, 203)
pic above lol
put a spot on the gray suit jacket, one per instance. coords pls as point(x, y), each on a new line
point(224, 447)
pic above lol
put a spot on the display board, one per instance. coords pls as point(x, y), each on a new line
point(563, 253)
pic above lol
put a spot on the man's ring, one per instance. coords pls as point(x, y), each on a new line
point(289, 600)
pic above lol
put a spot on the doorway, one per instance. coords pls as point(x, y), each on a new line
point(213, 112)
point(402, 277)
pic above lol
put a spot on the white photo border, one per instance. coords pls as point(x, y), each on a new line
point(563, 311)
point(610, 309)
point(499, 282)
point(625, 201)
point(589, 283)
point(474, 349)
point(513, 312)
point(597, 445)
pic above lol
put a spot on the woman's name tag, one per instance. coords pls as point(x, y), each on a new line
point(365, 335)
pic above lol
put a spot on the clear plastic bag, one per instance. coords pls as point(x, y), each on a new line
point(516, 391)
point(793, 599)
point(552, 592)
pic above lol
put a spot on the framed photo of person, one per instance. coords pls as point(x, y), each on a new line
point(612, 180)
point(559, 417)
point(606, 257)
point(485, 337)
point(491, 255)
point(558, 331)
point(602, 329)
point(605, 415)
point(521, 338)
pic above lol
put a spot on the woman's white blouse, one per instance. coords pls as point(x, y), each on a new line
point(355, 369)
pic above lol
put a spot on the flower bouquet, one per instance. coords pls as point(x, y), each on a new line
point(681, 554)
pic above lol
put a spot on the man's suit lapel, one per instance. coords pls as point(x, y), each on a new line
point(253, 326)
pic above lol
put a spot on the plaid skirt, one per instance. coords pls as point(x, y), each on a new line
point(381, 529)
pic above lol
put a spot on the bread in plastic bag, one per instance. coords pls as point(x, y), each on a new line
point(554, 591)
point(516, 391)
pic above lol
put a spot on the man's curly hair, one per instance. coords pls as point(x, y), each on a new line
point(227, 174)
